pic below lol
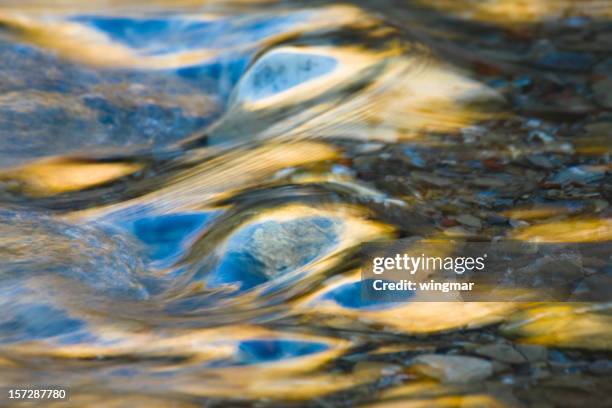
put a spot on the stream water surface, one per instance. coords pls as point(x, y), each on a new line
point(185, 186)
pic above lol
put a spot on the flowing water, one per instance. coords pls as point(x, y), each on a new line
point(184, 186)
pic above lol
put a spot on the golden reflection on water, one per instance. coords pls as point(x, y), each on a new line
point(571, 230)
point(509, 12)
point(49, 177)
point(573, 325)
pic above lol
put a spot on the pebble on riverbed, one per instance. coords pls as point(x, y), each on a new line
point(501, 352)
point(470, 221)
point(453, 369)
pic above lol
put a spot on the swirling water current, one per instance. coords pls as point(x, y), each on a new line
point(184, 186)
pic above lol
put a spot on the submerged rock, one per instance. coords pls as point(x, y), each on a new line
point(501, 352)
point(41, 246)
point(278, 245)
point(532, 352)
point(601, 367)
point(280, 71)
point(470, 221)
point(580, 175)
point(453, 369)
point(603, 92)
point(266, 250)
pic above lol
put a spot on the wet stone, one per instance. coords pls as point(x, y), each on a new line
point(532, 352)
point(269, 242)
point(413, 157)
point(266, 250)
point(579, 174)
point(599, 128)
point(601, 205)
point(540, 136)
point(453, 369)
point(470, 221)
point(501, 352)
point(281, 70)
point(566, 61)
point(600, 367)
point(523, 83)
point(489, 182)
point(540, 161)
point(500, 367)
point(396, 185)
point(431, 179)
point(368, 148)
point(103, 260)
point(448, 222)
point(56, 107)
point(603, 92)
point(556, 356)
point(548, 271)
point(495, 219)
point(594, 288)
point(457, 232)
